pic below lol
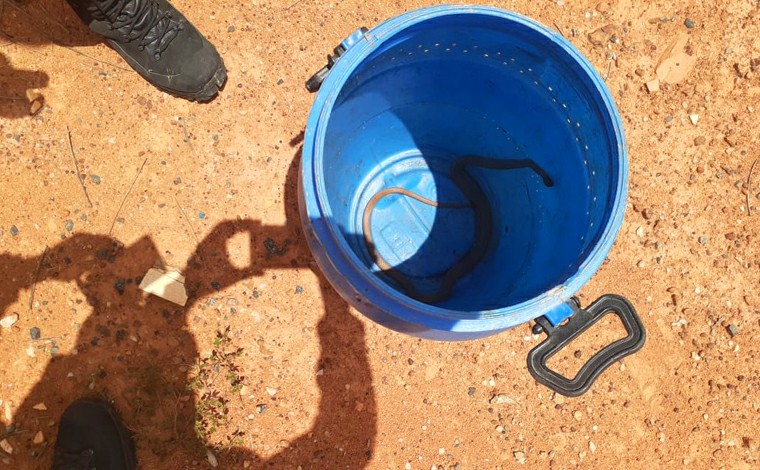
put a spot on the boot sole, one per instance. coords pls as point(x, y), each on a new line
point(205, 94)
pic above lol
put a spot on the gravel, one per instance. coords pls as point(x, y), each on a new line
point(34, 332)
point(95, 179)
point(14, 230)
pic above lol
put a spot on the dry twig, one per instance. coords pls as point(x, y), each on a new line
point(36, 277)
point(76, 167)
point(749, 186)
point(126, 196)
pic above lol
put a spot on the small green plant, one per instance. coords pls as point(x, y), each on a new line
point(212, 409)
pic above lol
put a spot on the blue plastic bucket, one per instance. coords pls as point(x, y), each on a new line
point(398, 107)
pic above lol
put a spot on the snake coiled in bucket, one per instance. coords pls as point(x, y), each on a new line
point(483, 222)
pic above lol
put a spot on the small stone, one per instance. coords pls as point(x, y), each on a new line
point(280, 81)
point(271, 391)
point(694, 118)
point(731, 140)
point(14, 230)
point(9, 321)
point(703, 240)
point(211, 458)
point(95, 179)
point(177, 180)
point(577, 415)
point(261, 408)
point(471, 391)
point(701, 140)
point(230, 29)
point(201, 215)
point(732, 330)
point(299, 290)
point(502, 399)
point(591, 446)
point(519, 456)
point(408, 466)
point(231, 302)
point(653, 86)
point(6, 446)
point(39, 438)
point(640, 72)
point(69, 225)
point(246, 463)
point(34, 332)
point(40, 406)
point(688, 23)
point(640, 232)
point(731, 236)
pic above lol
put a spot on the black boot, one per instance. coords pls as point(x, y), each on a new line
point(91, 436)
point(159, 43)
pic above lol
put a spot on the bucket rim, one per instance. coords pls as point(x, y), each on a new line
point(386, 297)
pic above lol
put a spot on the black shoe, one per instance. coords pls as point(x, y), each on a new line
point(91, 436)
point(159, 43)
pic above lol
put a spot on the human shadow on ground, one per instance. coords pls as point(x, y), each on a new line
point(138, 352)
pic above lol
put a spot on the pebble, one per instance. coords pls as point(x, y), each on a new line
point(261, 408)
point(577, 415)
point(299, 290)
point(653, 86)
point(701, 140)
point(230, 29)
point(640, 231)
point(9, 321)
point(178, 180)
point(6, 446)
point(39, 438)
point(471, 391)
point(408, 466)
point(732, 330)
point(211, 458)
point(271, 391)
point(14, 230)
point(694, 118)
point(519, 456)
point(591, 446)
point(201, 215)
point(34, 332)
point(40, 406)
point(703, 239)
point(502, 399)
point(688, 23)
point(95, 179)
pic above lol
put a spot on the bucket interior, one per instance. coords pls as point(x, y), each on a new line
point(478, 85)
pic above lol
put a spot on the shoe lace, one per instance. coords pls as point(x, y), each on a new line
point(74, 460)
point(143, 21)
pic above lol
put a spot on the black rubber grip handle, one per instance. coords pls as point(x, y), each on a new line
point(560, 336)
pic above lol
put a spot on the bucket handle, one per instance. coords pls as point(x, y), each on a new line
point(579, 320)
point(314, 83)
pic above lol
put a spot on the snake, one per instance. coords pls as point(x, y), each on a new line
point(483, 216)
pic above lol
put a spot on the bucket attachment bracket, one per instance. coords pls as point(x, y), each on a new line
point(314, 83)
point(560, 335)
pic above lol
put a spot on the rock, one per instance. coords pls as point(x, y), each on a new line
point(640, 72)
point(577, 415)
point(9, 320)
point(730, 236)
point(271, 391)
point(732, 330)
point(39, 438)
point(675, 64)
point(246, 463)
point(8, 411)
point(600, 36)
point(471, 391)
point(34, 332)
point(69, 225)
point(177, 180)
point(95, 179)
point(688, 23)
point(14, 230)
point(211, 458)
point(731, 140)
point(502, 399)
point(694, 118)
point(700, 140)
point(653, 86)
point(299, 290)
point(169, 285)
point(591, 446)
point(640, 232)
point(40, 406)
point(702, 240)
point(6, 446)
point(519, 456)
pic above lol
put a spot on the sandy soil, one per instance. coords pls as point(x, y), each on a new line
point(324, 387)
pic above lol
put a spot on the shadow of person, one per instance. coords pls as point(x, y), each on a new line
point(138, 351)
